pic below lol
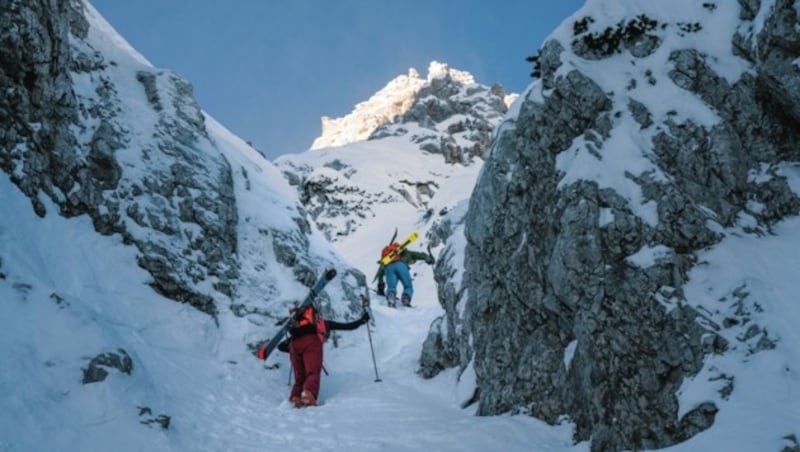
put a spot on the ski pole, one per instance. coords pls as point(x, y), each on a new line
point(365, 304)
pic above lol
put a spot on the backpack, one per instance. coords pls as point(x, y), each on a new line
point(310, 315)
point(388, 249)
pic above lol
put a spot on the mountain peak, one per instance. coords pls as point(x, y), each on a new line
point(393, 100)
point(439, 70)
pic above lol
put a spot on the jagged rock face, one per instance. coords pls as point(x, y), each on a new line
point(558, 316)
point(394, 99)
point(454, 116)
point(445, 121)
point(156, 185)
point(446, 113)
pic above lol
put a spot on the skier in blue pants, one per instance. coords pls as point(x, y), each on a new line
point(398, 270)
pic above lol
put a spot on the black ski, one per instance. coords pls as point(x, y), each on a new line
point(266, 349)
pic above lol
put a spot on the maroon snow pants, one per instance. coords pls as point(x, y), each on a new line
point(305, 352)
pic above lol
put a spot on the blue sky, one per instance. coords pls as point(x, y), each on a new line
point(269, 70)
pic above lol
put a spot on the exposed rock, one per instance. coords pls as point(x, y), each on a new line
point(554, 262)
point(96, 370)
point(456, 115)
point(161, 420)
point(77, 147)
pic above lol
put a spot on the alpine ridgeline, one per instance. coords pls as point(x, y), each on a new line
point(655, 133)
point(395, 151)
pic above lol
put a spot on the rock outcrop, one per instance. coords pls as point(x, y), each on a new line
point(450, 115)
point(157, 180)
point(594, 203)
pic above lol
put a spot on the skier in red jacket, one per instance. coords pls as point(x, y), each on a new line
point(305, 352)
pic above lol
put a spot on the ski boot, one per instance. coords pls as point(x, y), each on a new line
point(308, 399)
point(406, 300)
point(295, 400)
point(391, 299)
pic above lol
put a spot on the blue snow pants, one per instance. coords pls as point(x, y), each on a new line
point(398, 271)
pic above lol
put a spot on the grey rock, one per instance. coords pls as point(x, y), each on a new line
point(45, 153)
point(96, 371)
point(162, 420)
point(481, 107)
point(547, 264)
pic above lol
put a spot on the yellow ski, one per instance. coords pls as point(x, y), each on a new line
point(385, 260)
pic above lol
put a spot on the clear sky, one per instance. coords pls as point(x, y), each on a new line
point(269, 70)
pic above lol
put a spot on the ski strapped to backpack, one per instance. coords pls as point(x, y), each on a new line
point(391, 249)
point(380, 265)
point(397, 251)
point(265, 350)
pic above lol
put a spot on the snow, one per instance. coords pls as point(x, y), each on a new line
point(69, 294)
point(761, 17)
point(791, 171)
point(620, 154)
point(606, 216)
point(712, 39)
point(569, 353)
point(110, 43)
point(647, 256)
point(437, 70)
point(219, 397)
point(626, 151)
point(766, 382)
point(86, 296)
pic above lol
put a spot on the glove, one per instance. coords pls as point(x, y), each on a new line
point(262, 351)
point(284, 345)
point(430, 260)
point(364, 317)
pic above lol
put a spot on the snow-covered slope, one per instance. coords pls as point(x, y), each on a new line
point(70, 295)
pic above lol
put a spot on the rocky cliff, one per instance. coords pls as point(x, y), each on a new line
point(89, 127)
point(67, 138)
point(653, 133)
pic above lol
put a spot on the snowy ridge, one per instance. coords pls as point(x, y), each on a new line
point(396, 168)
point(393, 99)
point(267, 209)
point(387, 105)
